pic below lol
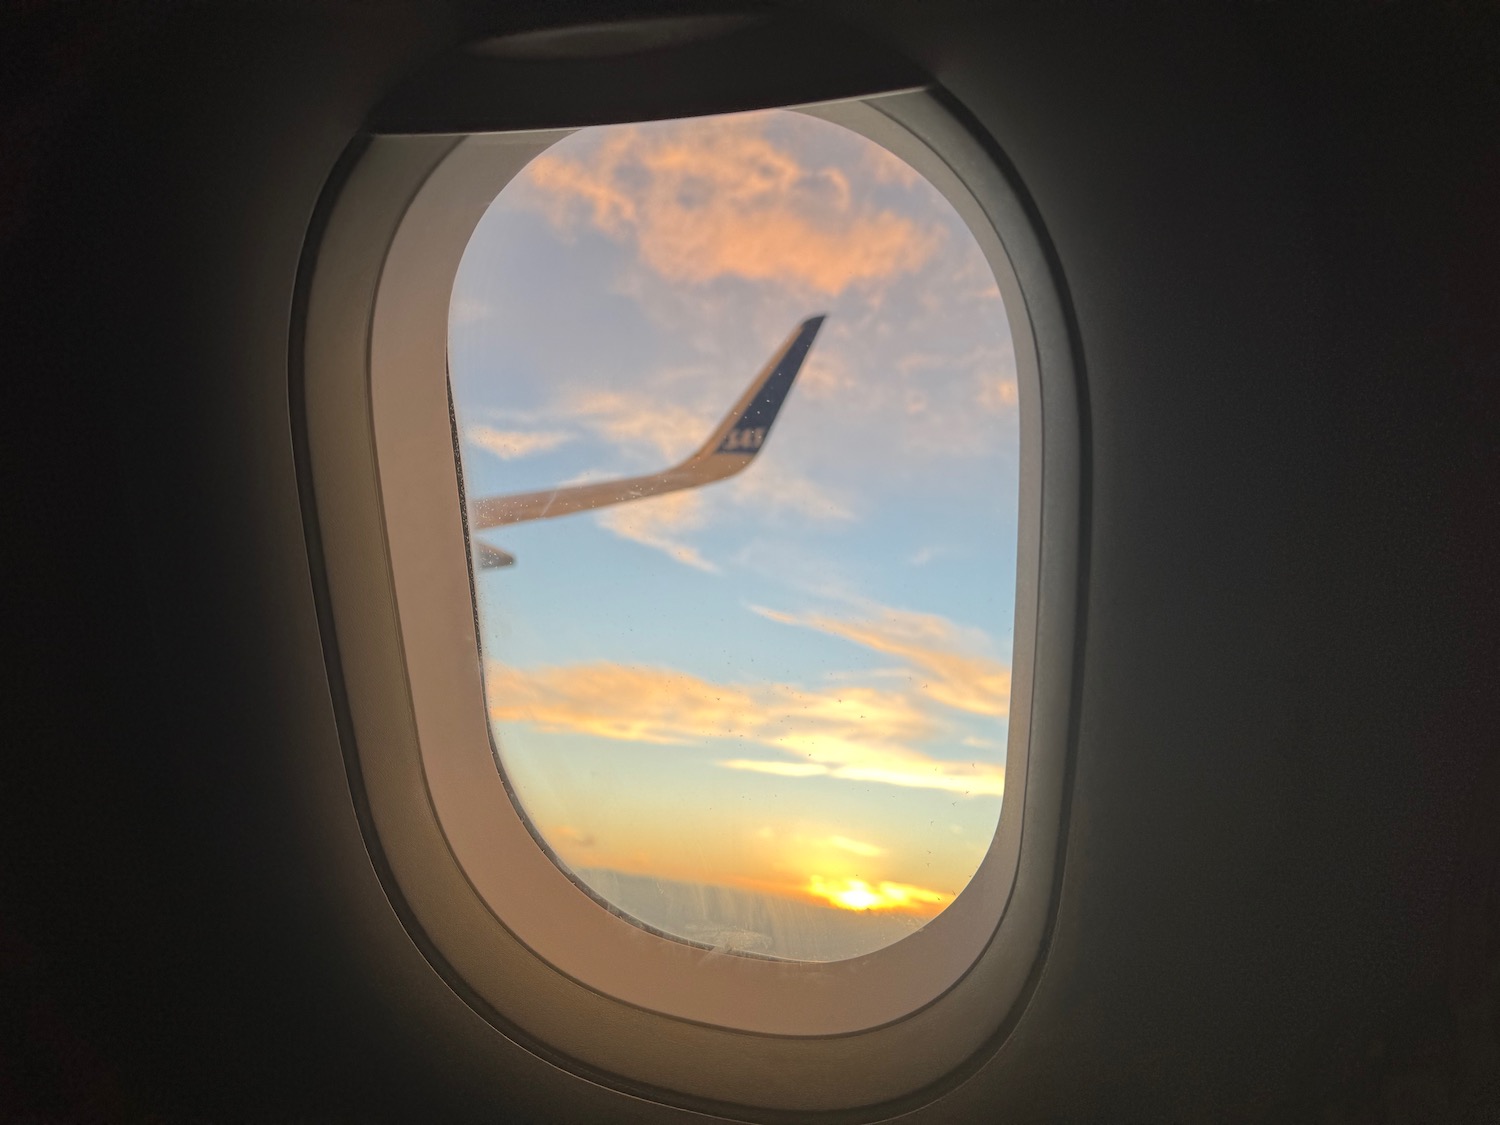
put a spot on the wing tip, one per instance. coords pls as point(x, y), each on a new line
point(490, 557)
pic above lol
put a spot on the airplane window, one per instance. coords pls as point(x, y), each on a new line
point(736, 408)
point(707, 713)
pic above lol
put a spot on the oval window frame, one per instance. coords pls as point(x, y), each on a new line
point(533, 952)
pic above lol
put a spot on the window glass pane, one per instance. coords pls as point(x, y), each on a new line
point(760, 701)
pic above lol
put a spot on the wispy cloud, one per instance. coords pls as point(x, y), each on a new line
point(511, 445)
point(641, 422)
point(954, 666)
point(990, 370)
point(658, 522)
point(968, 778)
point(925, 555)
point(827, 374)
point(855, 847)
point(773, 487)
point(851, 733)
point(986, 744)
point(701, 204)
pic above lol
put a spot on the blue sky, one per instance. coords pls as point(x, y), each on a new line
point(797, 680)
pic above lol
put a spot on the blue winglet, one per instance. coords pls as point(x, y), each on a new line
point(748, 433)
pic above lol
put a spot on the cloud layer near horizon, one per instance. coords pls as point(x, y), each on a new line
point(856, 732)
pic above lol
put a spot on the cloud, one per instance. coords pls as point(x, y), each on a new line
point(855, 847)
point(773, 487)
point(566, 834)
point(925, 555)
point(851, 733)
point(827, 374)
point(982, 743)
point(968, 778)
point(632, 421)
point(950, 657)
point(990, 370)
point(651, 704)
point(511, 445)
point(655, 434)
point(700, 204)
point(998, 392)
point(656, 522)
point(778, 769)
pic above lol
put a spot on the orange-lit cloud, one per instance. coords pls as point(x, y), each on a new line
point(955, 670)
point(972, 779)
point(998, 392)
point(511, 445)
point(851, 733)
point(568, 836)
point(701, 204)
point(651, 423)
point(640, 703)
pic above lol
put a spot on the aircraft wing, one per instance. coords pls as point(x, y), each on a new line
point(729, 449)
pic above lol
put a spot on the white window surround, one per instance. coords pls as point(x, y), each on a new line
point(544, 957)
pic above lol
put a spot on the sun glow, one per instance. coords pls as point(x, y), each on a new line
point(857, 894)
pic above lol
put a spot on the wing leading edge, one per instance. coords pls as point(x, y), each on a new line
point(729, 450)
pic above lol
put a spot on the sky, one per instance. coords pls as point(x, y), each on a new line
point(793, 684)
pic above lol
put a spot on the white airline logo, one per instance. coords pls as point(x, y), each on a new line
point(744, 441)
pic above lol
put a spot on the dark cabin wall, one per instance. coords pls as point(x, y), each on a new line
point(185, 945)
point(1279, 232)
